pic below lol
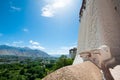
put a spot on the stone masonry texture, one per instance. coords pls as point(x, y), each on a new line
point(100, 25)
point(83, 71)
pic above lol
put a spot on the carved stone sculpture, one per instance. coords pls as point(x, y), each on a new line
point(102, 58)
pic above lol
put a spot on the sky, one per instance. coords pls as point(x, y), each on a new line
point(49, 25)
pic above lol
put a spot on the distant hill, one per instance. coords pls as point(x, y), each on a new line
point(18, 51)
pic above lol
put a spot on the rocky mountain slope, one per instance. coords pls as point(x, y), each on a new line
point(18, 51)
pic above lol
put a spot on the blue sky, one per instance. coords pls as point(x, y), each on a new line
point(48, 25)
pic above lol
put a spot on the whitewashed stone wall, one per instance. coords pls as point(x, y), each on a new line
point(99, 25)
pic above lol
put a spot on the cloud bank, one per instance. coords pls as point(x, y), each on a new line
point(61, 51)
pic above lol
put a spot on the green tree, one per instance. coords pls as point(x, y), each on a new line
point(22, 71)
point(63, 61)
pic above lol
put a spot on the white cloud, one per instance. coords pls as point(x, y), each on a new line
point(15, 8)
point(1, 34)
point(47, 11)
point(7, 44)
point(35, 45)
point(61, 50)
point(51, 8)
point(17, 43)
point(25, 30)
point(32, 45)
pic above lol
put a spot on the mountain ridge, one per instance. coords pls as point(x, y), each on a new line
point(22, 51)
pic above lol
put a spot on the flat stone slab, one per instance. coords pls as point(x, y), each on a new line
point(83, 71)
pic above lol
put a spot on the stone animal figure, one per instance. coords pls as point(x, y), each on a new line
point(102, 58)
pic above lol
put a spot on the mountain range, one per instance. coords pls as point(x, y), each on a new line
point(19, 51)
